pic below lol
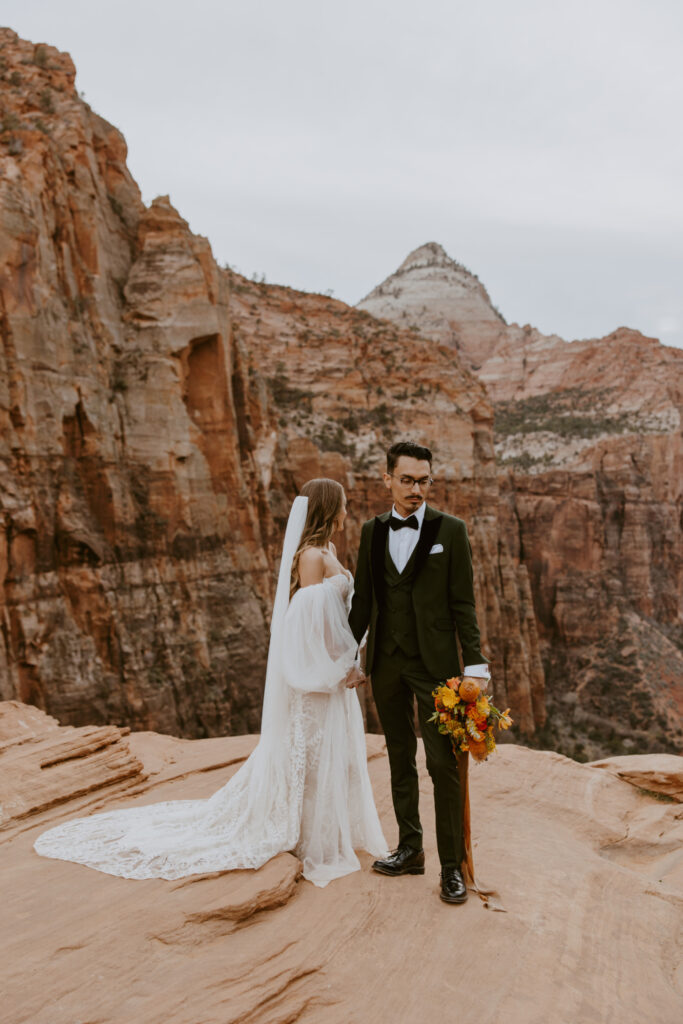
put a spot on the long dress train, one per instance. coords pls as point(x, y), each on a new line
point(304, 788)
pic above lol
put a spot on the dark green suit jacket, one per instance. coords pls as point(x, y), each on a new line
point(443, 592)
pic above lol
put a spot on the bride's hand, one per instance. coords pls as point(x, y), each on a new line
point(354, 677)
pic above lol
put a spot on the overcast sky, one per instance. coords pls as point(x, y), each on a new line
point(538, 141)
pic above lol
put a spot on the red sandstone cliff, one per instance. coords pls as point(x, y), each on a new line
point(158, 415)
point(134, 580)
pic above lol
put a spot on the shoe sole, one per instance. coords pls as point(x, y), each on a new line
point(397, 874)
point(453, 899)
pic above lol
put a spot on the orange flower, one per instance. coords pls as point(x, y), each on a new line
point(452, 683)
point(469, 690)
point(478, 749)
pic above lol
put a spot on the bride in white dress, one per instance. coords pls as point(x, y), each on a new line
point(305, 788)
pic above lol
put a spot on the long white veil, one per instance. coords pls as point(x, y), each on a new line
point(275, 694)
point(271, 784)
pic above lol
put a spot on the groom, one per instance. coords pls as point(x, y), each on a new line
point(413, 588)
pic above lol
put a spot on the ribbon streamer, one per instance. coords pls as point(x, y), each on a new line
point(490, 897)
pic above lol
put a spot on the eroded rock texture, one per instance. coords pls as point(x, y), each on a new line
point(159, 414)
point(134, 578)
point(590, 872)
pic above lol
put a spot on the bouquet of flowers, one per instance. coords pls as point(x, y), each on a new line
point(467, 715)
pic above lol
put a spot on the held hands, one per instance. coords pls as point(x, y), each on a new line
point(354, 677)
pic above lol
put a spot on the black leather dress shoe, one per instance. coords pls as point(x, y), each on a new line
point(404, 861)
point(452, 886)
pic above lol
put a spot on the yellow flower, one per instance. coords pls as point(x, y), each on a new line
point(505, 720)
point(447, 697)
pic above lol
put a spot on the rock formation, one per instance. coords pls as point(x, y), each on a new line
point(443, 300)
point(158, 415)
point(590, 872)
point(134, 525)
point(590, 471)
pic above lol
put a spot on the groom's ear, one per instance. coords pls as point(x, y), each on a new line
point(387, 480)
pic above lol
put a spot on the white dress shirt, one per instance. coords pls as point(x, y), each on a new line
point(402, 543)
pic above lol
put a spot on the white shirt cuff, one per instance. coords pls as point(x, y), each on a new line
point(477, 670)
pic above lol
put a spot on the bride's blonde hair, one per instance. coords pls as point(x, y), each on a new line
point(325, 499)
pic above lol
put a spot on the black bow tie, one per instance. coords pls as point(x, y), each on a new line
point(397, 524)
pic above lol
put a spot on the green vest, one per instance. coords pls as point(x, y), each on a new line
point(397, 626)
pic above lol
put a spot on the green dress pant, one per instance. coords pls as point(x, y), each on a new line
point(397, 680)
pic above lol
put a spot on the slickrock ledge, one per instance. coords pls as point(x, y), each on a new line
point(660, 773)
point(589, 866)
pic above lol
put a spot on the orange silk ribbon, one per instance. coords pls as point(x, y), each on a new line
point(490, 897)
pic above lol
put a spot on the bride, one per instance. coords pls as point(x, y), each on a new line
point(305, 787)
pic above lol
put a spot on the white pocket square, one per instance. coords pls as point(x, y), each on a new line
point(435, 549)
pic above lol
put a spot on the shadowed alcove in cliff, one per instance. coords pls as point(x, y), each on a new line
point(206, 396)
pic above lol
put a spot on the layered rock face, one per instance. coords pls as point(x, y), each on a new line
point(158, 416)
point(268, 946)
point(134, 577)
point(588, 447)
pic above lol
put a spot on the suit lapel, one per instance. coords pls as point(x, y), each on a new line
point(430, 528)
point(379, 543)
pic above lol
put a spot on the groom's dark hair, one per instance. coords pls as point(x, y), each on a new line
point(415, 451)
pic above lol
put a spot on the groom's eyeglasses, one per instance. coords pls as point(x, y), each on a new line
point(410, 481)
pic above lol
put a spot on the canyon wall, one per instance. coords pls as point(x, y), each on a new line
point(134, 577)
point(159, 413)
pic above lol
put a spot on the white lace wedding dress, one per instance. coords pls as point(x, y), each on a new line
point(305, 787)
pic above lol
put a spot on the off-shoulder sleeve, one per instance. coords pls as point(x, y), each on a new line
point(319, 647)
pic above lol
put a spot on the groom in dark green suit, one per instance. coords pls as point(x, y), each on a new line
point(414, 589)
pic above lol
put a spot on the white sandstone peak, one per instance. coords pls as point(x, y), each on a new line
point(442, 299)
point(431, 254)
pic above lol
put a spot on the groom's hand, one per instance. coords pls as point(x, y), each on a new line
point(482, 682)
